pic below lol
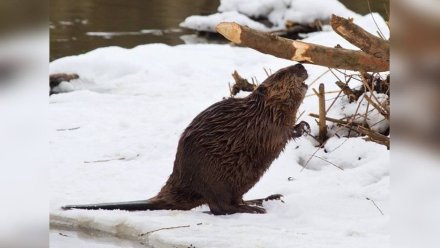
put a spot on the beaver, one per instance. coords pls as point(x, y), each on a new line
point(226, 149)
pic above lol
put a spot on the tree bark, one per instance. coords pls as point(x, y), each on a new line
point(357, 36)
point(301, 51)
point(322, 114)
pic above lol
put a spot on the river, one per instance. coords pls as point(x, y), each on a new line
point(82, 25)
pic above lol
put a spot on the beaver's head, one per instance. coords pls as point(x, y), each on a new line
point(285, 87)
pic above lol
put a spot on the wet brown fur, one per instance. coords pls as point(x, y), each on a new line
point(228, 147)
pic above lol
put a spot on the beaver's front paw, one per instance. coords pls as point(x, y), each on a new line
point(300, 129)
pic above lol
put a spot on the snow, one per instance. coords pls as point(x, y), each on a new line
point(129, 107)
point(278, 12)
point(72, 239)
point(208, 23)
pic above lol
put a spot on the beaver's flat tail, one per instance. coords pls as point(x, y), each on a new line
point(130, 206)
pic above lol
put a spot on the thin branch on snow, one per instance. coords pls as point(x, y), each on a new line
point(325, 160)
point(167, 228)
point(68, 129)
point(308, 161)
point(374, 203)
point(107, 160)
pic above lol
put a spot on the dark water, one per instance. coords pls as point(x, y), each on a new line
point(74, 23)
point(78, 26)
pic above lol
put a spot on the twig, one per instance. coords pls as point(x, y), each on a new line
point(164, 228)
point(345, 74)
point(347, 91)
point(338, 121)
point(302, 113)
point(343, 142)
point(106, 160)
point(374, 20)
point(68, 129)
point(375, 136)
point(307, 162)
point(64, 235)
point(327, 92)
point(322, 114)
point(334, 74)
point(367, 112)
point(316, 79)
point(323, 159)
point(340, 92)
point(365, 82)
point(267, 73)
point(313, 137)
point(377, 123)
point(334, 100)
point(378, 107)
point(354, 116)
point(374, 203)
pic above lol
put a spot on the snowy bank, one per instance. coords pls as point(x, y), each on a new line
point(114, 137)
point(277, 12)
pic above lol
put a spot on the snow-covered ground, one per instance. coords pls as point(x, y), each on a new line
point(277, 12)
point(129, 108)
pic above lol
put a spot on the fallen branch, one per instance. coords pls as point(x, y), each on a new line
point(337, 121)
point(374, 136)
point(301, 51)
point(325, 160)
point(375, 83)
point(357, 36)
point(347, 91)
point(383, 111)
point(241, 84)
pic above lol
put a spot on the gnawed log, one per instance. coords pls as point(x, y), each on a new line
point(357, 36)
point(301, 51)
